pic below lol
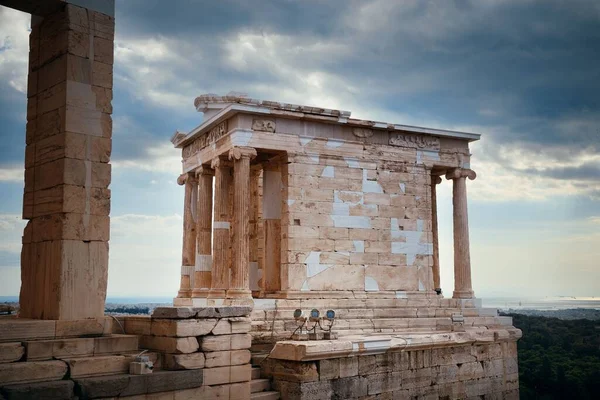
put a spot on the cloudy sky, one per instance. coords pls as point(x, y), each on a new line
point(525, 74)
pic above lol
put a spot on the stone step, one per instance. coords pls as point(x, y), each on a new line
point(27, 372)
point(21, 329)
point(255, 372)
point(257, 358)
point(132, 385)
point(11, 352)
point(79, 347)
point(80, 367)
point(260, 385)
point(265, 396)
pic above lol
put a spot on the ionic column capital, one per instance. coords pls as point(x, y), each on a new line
point(183, 178)
point(237, 153)
point(204, 170)
point(218, 162)
point(436, 179)
point(461, 173)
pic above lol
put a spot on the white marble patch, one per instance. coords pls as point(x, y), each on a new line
point(333, 143)
point(221, 225)
point(255, 275)
point(370, 186)
point(371, 284)
point(340, 209)
point(359, 246)
point(403, 187)
point(304, 141)
point(328, 172)
point(344, 221)
point(203, 262)
point(352, 162)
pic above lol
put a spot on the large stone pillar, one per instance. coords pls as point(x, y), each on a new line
point(204, 210)
point(240, 271)
point(272, 227)
point(188, 251)
point(462, 257)
point(64, 259)
point(221, 230)
point(435, 180)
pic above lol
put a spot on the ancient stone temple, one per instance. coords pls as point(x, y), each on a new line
point(298, 207)
point(310, 203)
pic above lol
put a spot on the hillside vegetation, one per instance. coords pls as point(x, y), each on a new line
point(558, 359)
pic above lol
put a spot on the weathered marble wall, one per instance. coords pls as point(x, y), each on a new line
point(453, 372)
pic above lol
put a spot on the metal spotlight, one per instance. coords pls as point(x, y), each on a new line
point(330, 315)
point(298, 314)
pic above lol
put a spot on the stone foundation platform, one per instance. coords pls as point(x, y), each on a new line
point(458, 365)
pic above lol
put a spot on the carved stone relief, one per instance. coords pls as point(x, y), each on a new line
point(212, 136)
point(415, 141)
point(362, 133)
point(264, 125)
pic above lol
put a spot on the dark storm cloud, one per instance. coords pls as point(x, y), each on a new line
point(586, 172)
point(524, 72)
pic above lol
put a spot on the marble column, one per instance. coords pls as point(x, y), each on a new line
point(204, 209)
point(221, 226)
point(188, 252)
point(462, 258)
point(240, 271)
point(435, 180)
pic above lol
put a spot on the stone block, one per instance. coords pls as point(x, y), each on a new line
point(69, 171)
point(240, 391)
point(224, 358)
point(223, 312)
point(320, 390)
point(69, 199)
point(98, 365)
point(329, 369)
point(384, 382)
point(174, 312)
point(348, 367)
point(12, 329)
point(182, 328)
point(10, 352)
point(71, 293)
point(38, 371)
point(59, 348)
point(184, 361)
point(84, 327)
point(56, 390)
point(71, 227)
point(344, 388)
point(217, 376)
point(138, 325)
point(226, 342)
point(115, 344)
point(134, 385)
point(169, 344)
point(291, 371)
point(103, 50)
point(102, 75)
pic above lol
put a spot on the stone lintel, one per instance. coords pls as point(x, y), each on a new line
point(45, 7)
point(200, 312)
point(378, 344)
